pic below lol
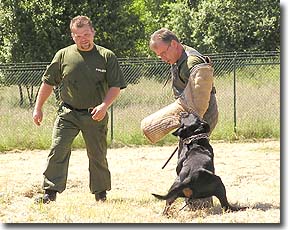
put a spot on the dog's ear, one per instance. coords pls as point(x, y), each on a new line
point(178, 131)
point(203, 128)
point(206, 126)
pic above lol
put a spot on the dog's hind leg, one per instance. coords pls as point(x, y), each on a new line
point(171, 196)
point(169, 202)
point(220, 193)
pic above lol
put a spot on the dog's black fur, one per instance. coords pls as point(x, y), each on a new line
point(195, 167)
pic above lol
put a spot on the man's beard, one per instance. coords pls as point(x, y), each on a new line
point(86, 46)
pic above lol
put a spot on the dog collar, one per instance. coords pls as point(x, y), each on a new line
point(188, 140)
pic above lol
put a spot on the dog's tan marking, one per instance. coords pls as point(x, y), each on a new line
point(187, 192)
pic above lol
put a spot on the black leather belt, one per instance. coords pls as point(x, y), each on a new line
point(89, 110)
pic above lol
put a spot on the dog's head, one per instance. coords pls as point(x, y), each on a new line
point(191, 125)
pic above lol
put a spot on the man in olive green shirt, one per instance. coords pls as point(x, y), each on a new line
point(90, 79)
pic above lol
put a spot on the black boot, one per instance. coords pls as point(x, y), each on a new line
point(49, 195)
point(101, 196)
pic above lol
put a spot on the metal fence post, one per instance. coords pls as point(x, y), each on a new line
point(234, 93)
point(112, 123)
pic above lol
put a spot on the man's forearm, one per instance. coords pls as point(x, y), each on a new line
point(111, 96)
point(44, 92)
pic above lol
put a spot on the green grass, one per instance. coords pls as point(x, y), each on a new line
point(257, 116)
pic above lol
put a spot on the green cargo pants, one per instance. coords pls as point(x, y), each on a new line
point(67, 126)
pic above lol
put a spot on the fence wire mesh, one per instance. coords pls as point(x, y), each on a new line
point(247, 85)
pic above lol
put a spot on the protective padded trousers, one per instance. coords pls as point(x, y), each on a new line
point(67, 126)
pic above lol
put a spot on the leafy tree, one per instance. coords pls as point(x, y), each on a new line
point(34, 30)
point(153, 14)
point(116, 25)
point(225, 26)
point(28, 30)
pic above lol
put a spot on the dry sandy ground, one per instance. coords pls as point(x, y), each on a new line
point(250, 172)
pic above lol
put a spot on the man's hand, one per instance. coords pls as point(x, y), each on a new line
point(37, 116)
point(44, 92)
point(99, 112)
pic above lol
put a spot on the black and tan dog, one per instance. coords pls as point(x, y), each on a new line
point(195, 166)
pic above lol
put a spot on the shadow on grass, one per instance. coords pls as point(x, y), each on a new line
point(265, 206)
point(217, 210)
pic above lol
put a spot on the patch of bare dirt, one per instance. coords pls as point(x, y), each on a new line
point(250, 172)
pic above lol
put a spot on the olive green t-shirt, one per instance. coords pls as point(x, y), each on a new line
point(84, 77)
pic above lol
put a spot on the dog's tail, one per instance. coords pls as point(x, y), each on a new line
point(175, 191)
point(160, 197)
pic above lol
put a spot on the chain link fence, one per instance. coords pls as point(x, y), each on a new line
point(247, 85)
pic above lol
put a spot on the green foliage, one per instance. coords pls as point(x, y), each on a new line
point(28, 30)
point(224, 26)
point(32, 31)
point(152, 14)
